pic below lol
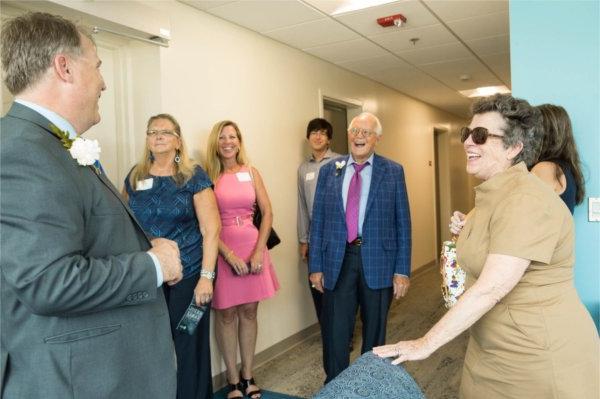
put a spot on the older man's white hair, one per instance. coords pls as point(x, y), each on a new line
point(378, 128)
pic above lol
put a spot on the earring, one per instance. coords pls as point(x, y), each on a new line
point(177, 157)
point(151, 157)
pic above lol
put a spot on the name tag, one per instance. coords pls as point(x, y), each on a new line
point(144, 184)
point(243, 176)
point(309, 176)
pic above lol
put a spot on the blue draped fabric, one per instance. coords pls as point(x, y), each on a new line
point(372, 377)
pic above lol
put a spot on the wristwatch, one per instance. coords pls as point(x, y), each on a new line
point(206, 274)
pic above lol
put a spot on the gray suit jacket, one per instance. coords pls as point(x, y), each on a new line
point(81, 314)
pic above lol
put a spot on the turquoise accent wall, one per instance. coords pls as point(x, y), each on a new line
point(554, 49)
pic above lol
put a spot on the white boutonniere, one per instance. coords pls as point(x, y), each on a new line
point(85, 151)
point(339, 165)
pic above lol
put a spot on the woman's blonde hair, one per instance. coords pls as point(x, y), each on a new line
point(184, 169)
point(214, 166)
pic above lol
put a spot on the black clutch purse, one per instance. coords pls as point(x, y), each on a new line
point(273, 239)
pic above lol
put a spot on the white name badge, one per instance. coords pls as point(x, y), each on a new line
point(243, 176)
point(309, 176)
point(144, 184)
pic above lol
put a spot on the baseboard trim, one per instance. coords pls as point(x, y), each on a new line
point(424, 268)
point(220, 380)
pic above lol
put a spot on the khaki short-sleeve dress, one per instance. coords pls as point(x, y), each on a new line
point(539, 341)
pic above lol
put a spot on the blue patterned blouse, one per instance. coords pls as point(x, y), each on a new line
point(167, 211)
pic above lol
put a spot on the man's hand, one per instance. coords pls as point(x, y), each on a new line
point(316, 279)
point(304, 250)
point(167, 253)
point(401, 284)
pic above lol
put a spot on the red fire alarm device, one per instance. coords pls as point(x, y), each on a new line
point(392, 20)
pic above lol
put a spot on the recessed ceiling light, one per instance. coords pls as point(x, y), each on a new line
point(355, 5)
point(485, 91)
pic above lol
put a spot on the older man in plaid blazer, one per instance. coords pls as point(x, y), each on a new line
point(360, 243)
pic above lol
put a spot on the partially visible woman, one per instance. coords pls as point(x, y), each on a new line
point(172, 197)
point(245, 272)
point(558, 163)
point(530, 335)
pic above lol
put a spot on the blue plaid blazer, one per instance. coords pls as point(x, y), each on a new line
point(386, 228)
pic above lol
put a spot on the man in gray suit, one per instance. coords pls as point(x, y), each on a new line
point(83, 315)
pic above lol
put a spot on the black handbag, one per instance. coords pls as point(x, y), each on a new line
point(273, 238)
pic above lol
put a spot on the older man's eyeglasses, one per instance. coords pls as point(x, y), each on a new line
point(478, 134)
point(355, 131)
point(164, 132)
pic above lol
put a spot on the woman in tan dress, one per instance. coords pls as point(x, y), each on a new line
point(531, 337)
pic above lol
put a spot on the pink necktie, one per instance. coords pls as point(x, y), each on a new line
point(353, 201)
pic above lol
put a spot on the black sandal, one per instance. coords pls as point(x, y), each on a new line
point(235, 387)
point(246, 384)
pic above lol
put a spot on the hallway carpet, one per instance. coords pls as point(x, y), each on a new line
point(299, 371)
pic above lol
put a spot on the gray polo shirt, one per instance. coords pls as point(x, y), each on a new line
point(308, 173)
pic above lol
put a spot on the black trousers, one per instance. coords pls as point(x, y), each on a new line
point(339, 310)
point(194, 376)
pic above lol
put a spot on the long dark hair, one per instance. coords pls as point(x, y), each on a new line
point(558, 143)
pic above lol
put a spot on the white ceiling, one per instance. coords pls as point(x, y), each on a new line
point(456, 38)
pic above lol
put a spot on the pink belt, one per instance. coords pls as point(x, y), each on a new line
point(236, 220)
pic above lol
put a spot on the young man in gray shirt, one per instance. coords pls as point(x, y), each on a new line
point(318, 134)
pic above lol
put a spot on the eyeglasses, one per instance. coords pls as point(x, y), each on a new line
point(165, 132)
point(355, 131)
point(478, 134)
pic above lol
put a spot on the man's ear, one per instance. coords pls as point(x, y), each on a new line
point(63, 67)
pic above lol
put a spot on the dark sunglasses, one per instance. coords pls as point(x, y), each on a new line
point(479, 135)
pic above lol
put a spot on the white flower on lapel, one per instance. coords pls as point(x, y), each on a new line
point(85, 151)
point(338, 167)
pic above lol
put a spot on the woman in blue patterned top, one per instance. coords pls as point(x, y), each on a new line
point(172, 198)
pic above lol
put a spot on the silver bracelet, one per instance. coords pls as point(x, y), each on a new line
point(206, 274)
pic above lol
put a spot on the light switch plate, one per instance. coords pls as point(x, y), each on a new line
point(594, 209)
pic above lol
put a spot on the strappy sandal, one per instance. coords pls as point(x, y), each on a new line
point(235, 387)
point(246, 384)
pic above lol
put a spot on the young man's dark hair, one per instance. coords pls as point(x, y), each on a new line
point(319, 124)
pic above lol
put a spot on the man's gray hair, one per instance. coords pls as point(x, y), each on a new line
point(378, 128)
point(29, 44)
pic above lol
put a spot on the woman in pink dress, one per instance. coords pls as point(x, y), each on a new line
point(245, 274)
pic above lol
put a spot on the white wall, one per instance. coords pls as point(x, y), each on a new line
point(215, 70)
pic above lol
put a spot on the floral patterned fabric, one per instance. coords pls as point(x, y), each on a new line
point(453, 276)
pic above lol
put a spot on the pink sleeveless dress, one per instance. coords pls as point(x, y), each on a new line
point(235, 197)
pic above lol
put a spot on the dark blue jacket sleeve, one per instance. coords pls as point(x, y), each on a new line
point(403, 227)
point(315, 264)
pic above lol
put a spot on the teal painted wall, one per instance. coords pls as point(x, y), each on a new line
point(554, 49)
